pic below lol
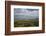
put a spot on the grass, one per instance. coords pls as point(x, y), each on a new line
point(26, 23)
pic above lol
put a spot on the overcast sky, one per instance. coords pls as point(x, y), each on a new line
point(25, 13)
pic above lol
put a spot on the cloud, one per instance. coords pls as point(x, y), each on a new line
point(24, 13)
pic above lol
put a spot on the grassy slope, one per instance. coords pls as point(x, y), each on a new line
point(26, 23)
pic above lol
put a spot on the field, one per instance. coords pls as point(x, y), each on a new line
point(26, 23)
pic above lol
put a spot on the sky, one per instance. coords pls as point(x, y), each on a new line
point(25, 13)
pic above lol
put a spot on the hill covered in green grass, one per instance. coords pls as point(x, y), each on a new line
point(26, 23)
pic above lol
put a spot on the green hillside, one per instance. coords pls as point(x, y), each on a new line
point(26, 23)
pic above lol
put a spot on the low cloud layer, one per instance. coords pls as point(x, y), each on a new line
point(20, 13)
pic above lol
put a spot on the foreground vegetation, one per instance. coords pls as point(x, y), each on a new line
point(26, 23)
